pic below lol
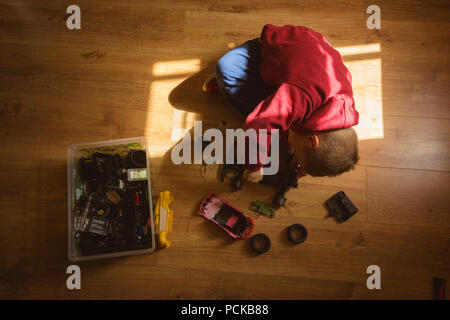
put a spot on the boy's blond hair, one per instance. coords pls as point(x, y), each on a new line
point(337, 153)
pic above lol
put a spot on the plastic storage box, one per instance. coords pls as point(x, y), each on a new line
point(102, 215)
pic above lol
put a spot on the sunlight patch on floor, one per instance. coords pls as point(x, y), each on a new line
point(166, 76)
point(363, 61)
point(360, 49)
point(367, 88)
point(175, 68)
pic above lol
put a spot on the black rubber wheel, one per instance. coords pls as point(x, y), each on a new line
point(292, 231)
point(138, 158)
point(258, 238)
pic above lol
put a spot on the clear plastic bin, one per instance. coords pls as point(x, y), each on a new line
point(77, 190)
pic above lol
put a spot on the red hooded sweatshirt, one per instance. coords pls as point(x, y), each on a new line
point(314, 91)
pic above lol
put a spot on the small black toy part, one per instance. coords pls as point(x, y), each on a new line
point(341, 207)
point(279, 200)
point(283, 181)
point(237, 181)
point(100, 167)
point(90, 243)
point(439, 286)
point(294, 229)
point(256, 241)
point(287, 180)
point(87, 169)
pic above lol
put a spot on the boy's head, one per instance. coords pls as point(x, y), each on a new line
point(328, 153)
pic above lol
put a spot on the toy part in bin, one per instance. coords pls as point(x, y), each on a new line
point(138, 174)
point(163, 217)
point(232, 220)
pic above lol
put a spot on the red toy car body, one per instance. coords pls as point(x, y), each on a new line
point(232, 220)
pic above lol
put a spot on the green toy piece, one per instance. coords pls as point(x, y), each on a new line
point(261, 208)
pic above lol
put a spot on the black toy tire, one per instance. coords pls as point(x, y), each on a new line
point(297, 226)
point(138, 158)
point(257, 237)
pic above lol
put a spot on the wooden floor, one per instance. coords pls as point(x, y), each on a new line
point(136, 68)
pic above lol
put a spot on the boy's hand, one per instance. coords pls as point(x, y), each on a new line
point(254, 176)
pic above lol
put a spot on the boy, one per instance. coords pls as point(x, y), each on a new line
point(291, 79)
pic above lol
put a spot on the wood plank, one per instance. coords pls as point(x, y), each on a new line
point(408, 197)
point(137, 69)
point(410, 143)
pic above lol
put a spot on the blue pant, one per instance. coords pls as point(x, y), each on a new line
point(237, 74)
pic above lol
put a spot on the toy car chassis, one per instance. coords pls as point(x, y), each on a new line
point(232, 220)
